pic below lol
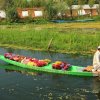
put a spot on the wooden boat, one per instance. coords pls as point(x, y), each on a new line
point(73, 70)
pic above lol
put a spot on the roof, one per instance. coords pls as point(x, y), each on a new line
point(85, 6)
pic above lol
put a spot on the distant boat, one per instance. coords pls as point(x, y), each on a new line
point(70, 21)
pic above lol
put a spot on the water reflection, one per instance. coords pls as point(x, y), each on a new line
point(96, 86)
point(48, 86)
point(22, 72)
point(10, 50)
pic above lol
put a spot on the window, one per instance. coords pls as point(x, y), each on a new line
point(38, 13)
point(24, 13)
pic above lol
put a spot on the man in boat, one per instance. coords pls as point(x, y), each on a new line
point(96, 61)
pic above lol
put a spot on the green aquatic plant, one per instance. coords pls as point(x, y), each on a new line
point(35, 37)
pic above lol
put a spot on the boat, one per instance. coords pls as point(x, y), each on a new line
point(71, 21)
point(85, 20)
point(73, 70)
point(62, 21)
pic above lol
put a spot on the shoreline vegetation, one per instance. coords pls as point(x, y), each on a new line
point(76, 38)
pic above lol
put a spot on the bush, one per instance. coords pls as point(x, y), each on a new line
point(40, 21)
point(97, 18)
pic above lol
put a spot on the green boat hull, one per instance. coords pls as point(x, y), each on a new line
point(73, 70)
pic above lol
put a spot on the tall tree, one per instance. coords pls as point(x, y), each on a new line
point(56, 8)
point(2, 4)
point(81, 3)
point(10, 8)
point(69, 4)
point(98, 7)
point(91, 3)
point(36, 3)
point(61, 8)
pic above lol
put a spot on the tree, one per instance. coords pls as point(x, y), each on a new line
point(10, 8)
point(36, 3)
point(91, 3)
point(55, 8)
point(60, 8)
point(2, 3)
point(69, 4)
point(81, 3)
point(99, 6)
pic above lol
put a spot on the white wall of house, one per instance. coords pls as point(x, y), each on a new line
point(2, 14)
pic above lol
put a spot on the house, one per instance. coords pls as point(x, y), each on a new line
point(94, 9)
point(30, 12)
point(82, 10)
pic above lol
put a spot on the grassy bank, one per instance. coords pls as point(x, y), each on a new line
point(65, 38)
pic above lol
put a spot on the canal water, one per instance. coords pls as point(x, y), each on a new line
point(27, 85)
